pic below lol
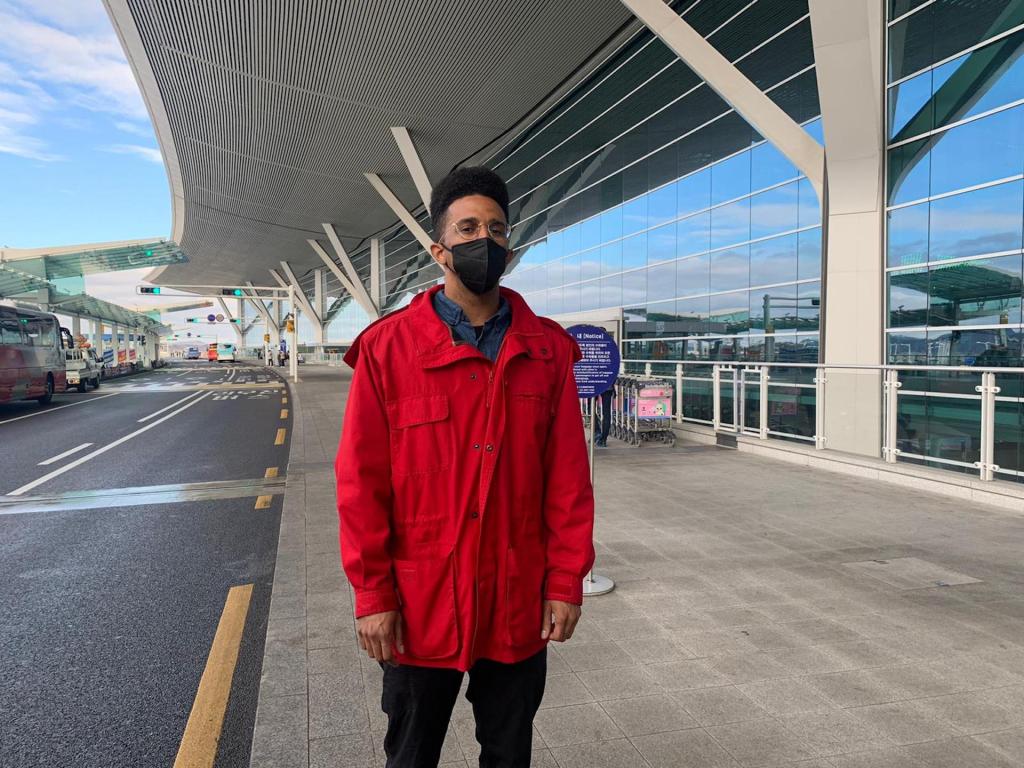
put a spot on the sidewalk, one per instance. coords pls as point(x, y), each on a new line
point(764, 615)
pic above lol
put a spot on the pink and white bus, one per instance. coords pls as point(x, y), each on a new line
point(31, 355)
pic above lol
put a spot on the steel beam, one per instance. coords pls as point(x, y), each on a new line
point(300, 295)
point(414, 163)
point(360, 294)
point(400, 211)
point(227, 313)
point(732, 85)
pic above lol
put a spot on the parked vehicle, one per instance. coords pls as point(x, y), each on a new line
point(98, 362)
point(192, 353)
point(32, 361)
point(81, 370)
point(211, 353)
point(226, 353)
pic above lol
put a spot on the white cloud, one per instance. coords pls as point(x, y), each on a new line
point(54, 54)
point(133, 128)
point(146, 153)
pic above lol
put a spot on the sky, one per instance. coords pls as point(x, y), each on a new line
point(79, 161)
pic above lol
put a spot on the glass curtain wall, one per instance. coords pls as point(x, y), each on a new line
point(955, 218)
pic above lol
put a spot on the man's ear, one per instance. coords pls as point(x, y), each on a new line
point(437, 252)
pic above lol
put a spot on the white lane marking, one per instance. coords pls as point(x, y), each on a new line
point(157, 413)
point(51, 410)
point(60, 456)
point(81, 460)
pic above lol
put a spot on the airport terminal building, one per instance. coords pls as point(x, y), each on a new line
point(806, 213)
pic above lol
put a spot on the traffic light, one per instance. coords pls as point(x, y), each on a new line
point(191, 319)
point(235, 320)
point(290, 326)
point(149, 251)
point(155, 289)
point(231, 292)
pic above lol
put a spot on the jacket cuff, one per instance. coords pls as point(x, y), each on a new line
point(370, 601)
point(566, 587)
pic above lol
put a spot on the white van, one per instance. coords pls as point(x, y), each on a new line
point(225, 353)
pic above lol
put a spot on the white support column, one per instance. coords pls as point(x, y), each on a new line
point(400, 211)
point(414, 164)
point(115, 345)
point(848, 50)
point(318, 304)
point(376, 269)
point(98, 337)
point(360, 294)
point(242, 325)
point(727, 81)
point(76, 327)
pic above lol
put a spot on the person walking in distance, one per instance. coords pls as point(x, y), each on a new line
point(464, 498)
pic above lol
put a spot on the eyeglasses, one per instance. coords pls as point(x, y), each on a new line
point(467, 229)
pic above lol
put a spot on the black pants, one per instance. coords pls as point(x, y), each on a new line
point(606, 415)
point(419, 701)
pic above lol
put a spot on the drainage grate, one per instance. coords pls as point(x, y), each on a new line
point(911, 573)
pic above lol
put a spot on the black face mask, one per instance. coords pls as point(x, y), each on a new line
point(479, 263)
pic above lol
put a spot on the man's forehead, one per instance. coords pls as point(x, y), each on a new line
point(475, 205)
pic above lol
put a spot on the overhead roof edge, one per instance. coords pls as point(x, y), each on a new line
point(131, 42)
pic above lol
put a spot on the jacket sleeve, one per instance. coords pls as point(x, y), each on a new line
point(568, 498)
point(363, 471)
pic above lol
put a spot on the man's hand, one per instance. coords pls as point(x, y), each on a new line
point(379, 634)
point(559, 620)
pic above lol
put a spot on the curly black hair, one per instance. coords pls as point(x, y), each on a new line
point(463, 182)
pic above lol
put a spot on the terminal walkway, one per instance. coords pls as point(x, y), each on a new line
point(765, 614)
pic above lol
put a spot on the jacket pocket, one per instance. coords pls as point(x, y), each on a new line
point(426, 589)
point(421, 434)
point(524, 596)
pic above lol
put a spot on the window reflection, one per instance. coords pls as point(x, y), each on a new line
point(976, 223)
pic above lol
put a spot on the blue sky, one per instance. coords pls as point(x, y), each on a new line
point(79, 162)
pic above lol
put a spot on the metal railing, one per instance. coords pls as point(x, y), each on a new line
point(749, 397)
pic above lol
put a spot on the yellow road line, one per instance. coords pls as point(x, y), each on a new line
point(263, 502)
point(284, 413)
point(279, 440)
point(271, 472)
point(198, 747)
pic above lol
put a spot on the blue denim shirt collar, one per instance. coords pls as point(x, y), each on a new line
point(462, 330)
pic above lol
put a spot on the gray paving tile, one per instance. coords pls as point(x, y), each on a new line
point(604, 754)
point(653, 650)
point(854, 689)
point(962, 752)
point(337, 705)
point(692, 748)
point(894, 757)
point(969, 712)
point(565, 690)
point(648, 714)
point(578, 724)
point(351, 751)
point(280, 736)
point(835, 732)
point(718, 706)
point(1009, 743)
point(787, 696)
point(582, 657)
point(761, 742)
point(748, 667)
point(620, 682)
point(683, 675)
point(903, 722)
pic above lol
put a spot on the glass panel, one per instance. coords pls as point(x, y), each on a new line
point(996, 76)
point(698, 402)
point(984, 292)
point(774, 261)
point(730, 178)
point(730, 224)
point(634, 251)
point(774, 212)
point(693, 193)
point(809, 310)
point(768, 166)
point(611, 259)
point(590, 264)
point(791, 410)
point(979, 222)
point(996, 346)
point(693, 275)
point(571, 298)
point(809, 254)
point(661, 205)
point(634, 287)
point(1009, 435)
point(611, 224)
point(910, 107)
point(908, 172)
point(590, 296)
point(611, 291)
point(634, 215)
point(693, 315)
point(978, 152)
point(730, 313)
point(730, 268)
point(693, 234)
point(661, 282)
point(591, 232)
point(661, 244)
point(908, 298)
point(571, 268)
point(908, 235)
point(554, 305)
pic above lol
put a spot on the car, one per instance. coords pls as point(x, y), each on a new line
point(192, 353)
point(81, 369)
point(226, 353)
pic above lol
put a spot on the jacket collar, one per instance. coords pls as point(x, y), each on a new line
point(436, 348)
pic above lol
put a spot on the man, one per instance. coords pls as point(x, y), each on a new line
point(606, 417)
point(465, 506)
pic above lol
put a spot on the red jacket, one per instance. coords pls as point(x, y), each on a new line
point(464, 492)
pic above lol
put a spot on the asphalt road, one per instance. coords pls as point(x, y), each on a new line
point(107, 614)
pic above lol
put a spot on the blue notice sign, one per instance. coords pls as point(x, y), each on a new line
point(599, 368)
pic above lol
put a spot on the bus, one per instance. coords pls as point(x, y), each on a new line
point(32, 362)
point(225, 352)
point(211, 352)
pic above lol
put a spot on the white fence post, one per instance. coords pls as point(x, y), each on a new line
point(763, 401)
point(679, 392)
point(988, 389)
point(892, 388)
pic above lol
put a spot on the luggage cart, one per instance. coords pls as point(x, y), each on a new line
point(642, 410)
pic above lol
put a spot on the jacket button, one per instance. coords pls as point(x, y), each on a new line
point(474, 515)
point(472, 377)
point(476, 446)
point(490, 447)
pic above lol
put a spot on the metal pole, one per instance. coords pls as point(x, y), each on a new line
point(595, 585)
point(892, 388)
point(819, 408)
point(293, 357)
point(679, 393)
point(716, 397)
point(763, 414)
point(988, 390)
